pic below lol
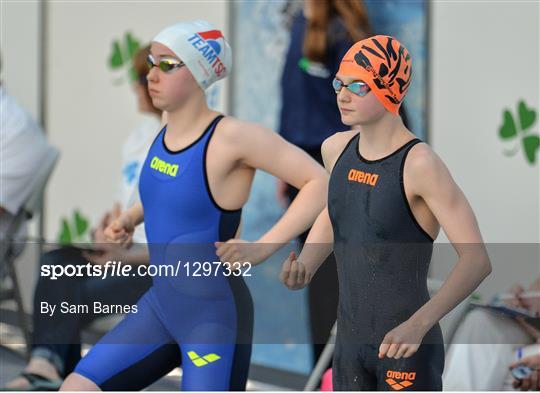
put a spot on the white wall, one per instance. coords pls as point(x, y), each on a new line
point(484, 59)
point(89, 117)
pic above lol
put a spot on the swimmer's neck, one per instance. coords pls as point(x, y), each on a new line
point(190, 119)
point(382, 137)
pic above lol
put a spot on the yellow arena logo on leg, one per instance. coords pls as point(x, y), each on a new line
point(164, 167)
point(200, 361)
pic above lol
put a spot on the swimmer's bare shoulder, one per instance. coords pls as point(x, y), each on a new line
point(240, 135)
point(424, 169)
point(256, 146)
point(232, 136)
point(333, 146)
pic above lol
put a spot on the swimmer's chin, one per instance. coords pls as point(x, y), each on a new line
point(348, 121)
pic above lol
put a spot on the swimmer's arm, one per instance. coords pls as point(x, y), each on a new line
point(135, 213)
point(431, 180)
point(122, 228)
point(261, 148)
point(296, 273)
point(320, 240)
point(319, 243)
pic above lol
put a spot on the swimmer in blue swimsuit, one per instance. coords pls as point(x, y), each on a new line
point(194, 182)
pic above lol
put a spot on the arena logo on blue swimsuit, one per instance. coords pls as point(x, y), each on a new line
point(208, 43)
point(201, 361)
point(164, 167)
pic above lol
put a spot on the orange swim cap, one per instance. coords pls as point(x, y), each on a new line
point(384, 64)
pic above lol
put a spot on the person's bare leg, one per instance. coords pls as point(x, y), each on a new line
point(76, 382)
point(39, 366)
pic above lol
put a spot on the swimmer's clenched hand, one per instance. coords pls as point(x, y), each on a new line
point(121, 230)
point(294, 274)
point(402, 341)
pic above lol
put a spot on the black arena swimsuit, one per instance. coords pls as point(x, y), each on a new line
point(383, 257)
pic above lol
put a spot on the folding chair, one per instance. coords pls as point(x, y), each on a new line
point(29, 209)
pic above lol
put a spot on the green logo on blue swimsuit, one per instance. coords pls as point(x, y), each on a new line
point(164, 167)
point(200, 361)
point(121, 56)
point(519, 133)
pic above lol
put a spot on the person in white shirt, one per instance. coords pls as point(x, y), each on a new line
point(56, 340)
point(22, 149)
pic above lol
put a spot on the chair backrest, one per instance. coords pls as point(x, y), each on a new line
point(32, 203)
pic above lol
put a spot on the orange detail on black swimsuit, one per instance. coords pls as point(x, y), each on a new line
point(363, 177)
point(404, 377)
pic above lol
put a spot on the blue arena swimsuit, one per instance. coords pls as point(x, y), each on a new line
point(204, 323)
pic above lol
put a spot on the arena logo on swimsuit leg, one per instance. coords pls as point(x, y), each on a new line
point(200, 361)
point(164, 167)
point(208, 43)
point(363, 177)
point(404, 377)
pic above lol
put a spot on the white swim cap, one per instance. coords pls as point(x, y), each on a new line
point(201, 47)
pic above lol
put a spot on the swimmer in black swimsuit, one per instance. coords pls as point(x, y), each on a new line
point(389, 194)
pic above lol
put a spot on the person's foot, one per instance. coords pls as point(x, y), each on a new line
point(38, 366)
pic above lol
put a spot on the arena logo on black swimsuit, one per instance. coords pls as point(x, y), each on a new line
point(363, 177)
point(404, 377)
point(207, 43)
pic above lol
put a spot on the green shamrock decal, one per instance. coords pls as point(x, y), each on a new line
point(122, 56)
point(521, 132)
point(74, 232)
